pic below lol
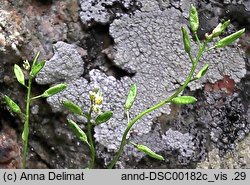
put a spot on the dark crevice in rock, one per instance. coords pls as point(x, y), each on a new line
point(245, 87)
point(213, 12)
point(9, 119)
point(117, 9)
point(114, 10)
point(238, 14)
point(44, 2)
point(117, 71)
point(6, 117)
point(46, 147)
point(97, 40)
point(174, 6)
point(99, 46)
point(208, 21)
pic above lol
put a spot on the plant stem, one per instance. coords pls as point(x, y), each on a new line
point(158, 105)
point(26, 124)
point(128, 116)
point(36, 97)
point(197, 39)
point(90, 140)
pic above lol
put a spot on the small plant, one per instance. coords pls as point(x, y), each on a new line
point(32, 72)
point(175, 98)
point(94, 117)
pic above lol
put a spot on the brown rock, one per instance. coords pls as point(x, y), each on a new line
point(9, 149)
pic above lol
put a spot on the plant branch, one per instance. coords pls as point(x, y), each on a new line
point(26, 124)
point(197, 39)
point(90, 140)
point(158, 105)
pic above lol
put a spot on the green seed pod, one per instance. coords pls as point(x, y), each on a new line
point(25, 133)
point(73, 107)
point(149, 152)
point(19, 74)
point(103, 117)
point(37, 68)
point(186, 40)
point(78, 131)
point(220, 28)
point(182, 100)
point(202, 72)
point(193, 19)
point(229, 39)
point(131, 97)
point(54, 90)
point(13, 106)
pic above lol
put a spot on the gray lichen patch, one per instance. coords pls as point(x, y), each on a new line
point(150, 44)
point(175, 140)
point(100, 11)
point(65, 65)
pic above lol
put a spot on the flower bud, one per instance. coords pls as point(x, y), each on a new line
point(193, 19)
point(186, 40)
point(96, 108)
point(92, 95)
point(229, 39)
point(98, 99)
point(26, 65)
point(220, 28)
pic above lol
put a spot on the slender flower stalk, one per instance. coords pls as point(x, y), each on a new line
point(26, 126)
point(91, 140)
point(33, 71)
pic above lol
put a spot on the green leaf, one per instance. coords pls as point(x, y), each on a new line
point(37, 68)
point(78, 131)
point(35, 59)
point(13, 106)
point(186, 40)
point(19, 74)
point(103, 117)
point(220, 28)
point(72, 107)
point(202, 72)
point(181, 100)
point(149, 152)
point(193, 19)
point(131, 97)
point(54, 90)
point(229, 39)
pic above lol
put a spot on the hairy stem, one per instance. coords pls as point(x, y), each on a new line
point(26, 124)
point(158, 105)
point(90, 140)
